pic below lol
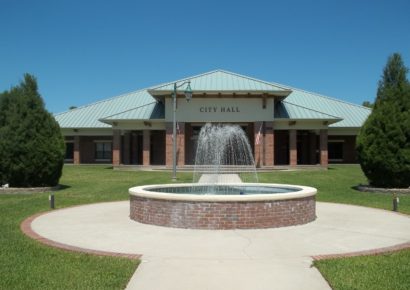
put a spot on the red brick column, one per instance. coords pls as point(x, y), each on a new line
point(258, 139)
point(168, 144)
point(181, 143)
point(146, 147)
point(77, 157)
point(293, 150)
point(269, 145)
point(127, 148)
point(189, 154)
point(323, 148)
point(116, 147)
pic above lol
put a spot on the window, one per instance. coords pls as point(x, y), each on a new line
point(103, 150)
point(335, 148)
point(69, 151)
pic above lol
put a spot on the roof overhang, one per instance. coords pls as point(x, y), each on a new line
point(113, 121)
point(325, 121)
point(280, 94)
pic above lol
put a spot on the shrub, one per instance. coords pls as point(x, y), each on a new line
point(31, 144)
point(383, 144)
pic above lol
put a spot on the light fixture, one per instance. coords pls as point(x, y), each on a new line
point(188, 92)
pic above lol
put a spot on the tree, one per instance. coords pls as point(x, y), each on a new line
point(367, 104)
point(383, 143)
point(31, 144)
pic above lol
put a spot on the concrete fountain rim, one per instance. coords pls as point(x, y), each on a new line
point(142, 191)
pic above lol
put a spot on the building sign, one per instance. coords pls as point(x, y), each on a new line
point(220, 110)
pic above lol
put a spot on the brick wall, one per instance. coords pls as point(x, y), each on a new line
point(223, 215)
point(87, 148)
point(293, 152)
point(180, 144)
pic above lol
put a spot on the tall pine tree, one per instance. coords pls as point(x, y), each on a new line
point(31, 144)
point(383, 144)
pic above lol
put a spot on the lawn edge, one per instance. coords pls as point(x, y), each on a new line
point(371, 252)
point(26, 228)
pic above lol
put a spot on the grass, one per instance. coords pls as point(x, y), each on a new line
point(387, 271)
point(337, 185)
point(26, 264)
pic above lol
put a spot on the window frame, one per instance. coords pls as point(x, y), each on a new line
point(68, 142)
point(104, 151)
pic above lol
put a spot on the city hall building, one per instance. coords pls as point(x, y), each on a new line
point(286, 127)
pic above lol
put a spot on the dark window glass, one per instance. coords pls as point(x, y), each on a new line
point(335, 150)
point(69, 150)
point(103, 150)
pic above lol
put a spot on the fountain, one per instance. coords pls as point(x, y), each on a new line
point(223, 155)
point(225, 193)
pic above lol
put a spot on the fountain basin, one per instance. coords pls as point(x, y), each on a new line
point(248, 206)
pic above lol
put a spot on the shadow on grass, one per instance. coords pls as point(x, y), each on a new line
point(62, 187)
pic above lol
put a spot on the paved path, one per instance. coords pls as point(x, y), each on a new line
point(230, 259)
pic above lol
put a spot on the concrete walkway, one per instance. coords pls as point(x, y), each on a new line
point(232, 259)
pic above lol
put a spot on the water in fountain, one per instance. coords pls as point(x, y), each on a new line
point(223, 155)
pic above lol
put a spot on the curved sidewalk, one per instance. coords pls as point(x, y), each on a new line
point(230, 259)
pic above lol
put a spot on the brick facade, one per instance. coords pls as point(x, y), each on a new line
point(323, 148)
point(223, 215)
point(269, 144)
point(264, 144)
point(271, 147)
point(293, 151)
point(258, 131)
point(146, 147)
point(116, 148)
point(180, 144)
point(77, 156)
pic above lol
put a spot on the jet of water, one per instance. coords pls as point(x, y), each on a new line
point(223, 155)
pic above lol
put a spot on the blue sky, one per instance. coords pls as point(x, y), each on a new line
point(84, 51)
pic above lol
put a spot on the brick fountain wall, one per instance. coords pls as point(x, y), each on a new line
point(223, 215)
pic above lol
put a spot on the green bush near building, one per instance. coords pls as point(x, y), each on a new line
point(31, 144)
point(383, 144)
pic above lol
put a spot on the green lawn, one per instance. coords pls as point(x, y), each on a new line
point(387, 271)
point(26, 264)
point(336, 185)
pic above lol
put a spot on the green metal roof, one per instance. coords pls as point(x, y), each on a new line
point(286, 110)
point(223, 81)
point(352, 115)
point(151, 111)
point(141, 105)
point(88, 116)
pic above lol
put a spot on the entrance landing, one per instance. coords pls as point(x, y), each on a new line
point(183, 259)
point(220, 178)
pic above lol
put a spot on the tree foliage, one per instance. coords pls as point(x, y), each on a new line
point(383, 144)
point(367, 104)
point(31, 144)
